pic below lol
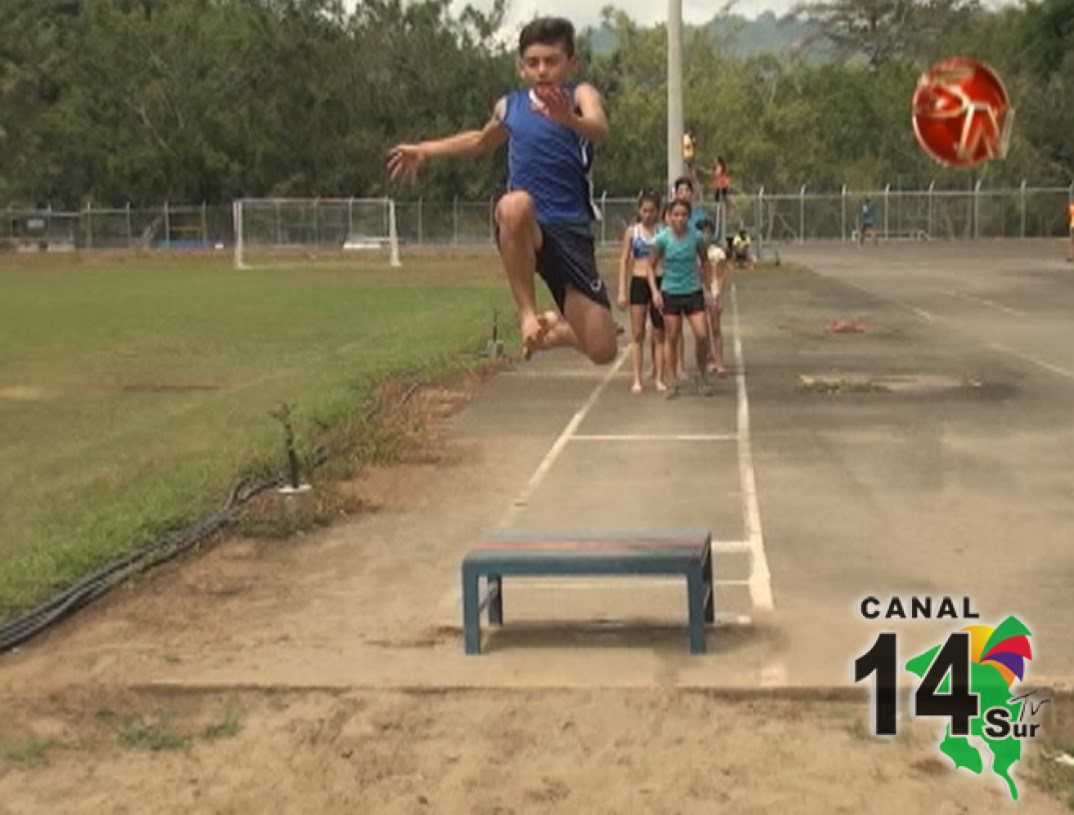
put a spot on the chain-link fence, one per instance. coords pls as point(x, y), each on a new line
point(1022, 212)
point(165, 227)
point(782, 217)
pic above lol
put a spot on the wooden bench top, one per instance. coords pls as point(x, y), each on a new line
point(542, 544)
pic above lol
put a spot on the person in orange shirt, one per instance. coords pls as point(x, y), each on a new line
point(1070, 248)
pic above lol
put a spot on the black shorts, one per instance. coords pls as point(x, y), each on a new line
point(684, 304)
point(640, 295)
point(567, 258)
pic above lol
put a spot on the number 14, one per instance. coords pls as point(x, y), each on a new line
point(959, 705)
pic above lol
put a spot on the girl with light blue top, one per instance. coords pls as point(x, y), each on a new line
point(681, 251)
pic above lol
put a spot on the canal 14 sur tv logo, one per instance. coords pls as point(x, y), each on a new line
point(967, 679)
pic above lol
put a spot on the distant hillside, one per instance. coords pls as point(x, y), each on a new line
point(742, 37)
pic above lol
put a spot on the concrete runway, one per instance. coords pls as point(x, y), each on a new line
point(928, 455)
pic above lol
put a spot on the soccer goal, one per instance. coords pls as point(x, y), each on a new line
point(271, 229)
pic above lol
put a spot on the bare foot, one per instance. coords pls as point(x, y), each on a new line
point(636, 388)
point(660, 386)
point(722, 371)
point(534, 331)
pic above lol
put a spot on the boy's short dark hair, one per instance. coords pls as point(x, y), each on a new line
point(547, 31)
point(683, 179)
point(681, 202)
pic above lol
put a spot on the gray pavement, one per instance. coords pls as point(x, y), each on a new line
point(941, 468)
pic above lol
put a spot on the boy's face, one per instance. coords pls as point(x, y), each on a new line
point(685, 192)
point(542, 64)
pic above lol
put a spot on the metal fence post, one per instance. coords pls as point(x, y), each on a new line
point(130, 230)
point(1022, 219)
point(929, 225)
point(801, 214)
point(887, 209)
point(350, 217)
point(843, 214)
point(977, 210)
point(760, 211)
point(89, 225)
point(603, 217)
point(167, 227)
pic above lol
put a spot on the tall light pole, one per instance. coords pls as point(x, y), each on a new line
point(675, 125)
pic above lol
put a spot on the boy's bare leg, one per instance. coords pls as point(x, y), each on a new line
point(591, 327)
point(519, 240)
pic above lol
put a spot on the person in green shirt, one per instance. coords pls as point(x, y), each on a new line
point(681, 251)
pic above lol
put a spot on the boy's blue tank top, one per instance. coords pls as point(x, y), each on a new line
point(549, 161)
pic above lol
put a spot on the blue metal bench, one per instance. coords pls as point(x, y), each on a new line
point(686, 552)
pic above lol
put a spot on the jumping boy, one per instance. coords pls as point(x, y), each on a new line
point(543, 221)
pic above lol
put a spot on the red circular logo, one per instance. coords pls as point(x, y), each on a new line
point(961, 112)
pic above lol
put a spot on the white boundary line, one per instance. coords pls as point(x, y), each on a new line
point(760, 582)
point(920, 312)
point(982, 301)
point(642, 437)
point(557, 447)
point(1055, 369)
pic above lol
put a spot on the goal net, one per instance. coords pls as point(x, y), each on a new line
point(268, 229)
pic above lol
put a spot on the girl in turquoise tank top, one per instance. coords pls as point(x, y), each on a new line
point(681, 251)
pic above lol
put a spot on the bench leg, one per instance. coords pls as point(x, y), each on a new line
point(495, 599)
point(695, 598)
point(471, 611)
point(710, 586)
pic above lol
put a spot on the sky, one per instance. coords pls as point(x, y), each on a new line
point(645, 12)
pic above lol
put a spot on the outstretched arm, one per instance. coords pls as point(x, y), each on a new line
point(404, 160)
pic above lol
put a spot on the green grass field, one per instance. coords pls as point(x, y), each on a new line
point(133, 390)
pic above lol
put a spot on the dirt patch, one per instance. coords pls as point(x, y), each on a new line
point(476, 752)
point(886, 383)
point(25, 393)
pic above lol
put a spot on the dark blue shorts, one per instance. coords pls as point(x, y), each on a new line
point(567, 258)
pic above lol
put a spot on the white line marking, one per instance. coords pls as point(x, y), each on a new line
point(1055, 369)
point(630, 437)
point(774, 675)
point(982, 301)
point(557, 447)
point(920, 312)
point(760, 579)
point(730, 547)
